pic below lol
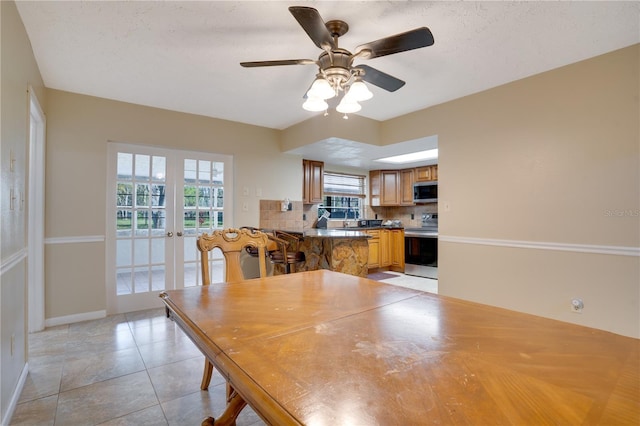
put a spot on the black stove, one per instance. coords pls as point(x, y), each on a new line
point(421, 247)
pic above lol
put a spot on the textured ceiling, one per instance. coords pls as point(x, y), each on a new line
point(185, 56)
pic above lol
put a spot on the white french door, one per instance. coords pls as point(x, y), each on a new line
point(159, 201)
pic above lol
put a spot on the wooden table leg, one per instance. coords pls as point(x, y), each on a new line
point(228, 418)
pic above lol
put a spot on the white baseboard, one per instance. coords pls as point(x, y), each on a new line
point(70, 319)
point(13, 402)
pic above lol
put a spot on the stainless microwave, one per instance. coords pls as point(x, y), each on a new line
point(425, 192)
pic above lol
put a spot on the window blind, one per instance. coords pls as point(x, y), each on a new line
point(343, 184)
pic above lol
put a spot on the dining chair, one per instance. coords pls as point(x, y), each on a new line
point(231, 242)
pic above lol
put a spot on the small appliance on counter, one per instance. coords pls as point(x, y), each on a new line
point(392, 223)
point(322, 220)
point(369, 223)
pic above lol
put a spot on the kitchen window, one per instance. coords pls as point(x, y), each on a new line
point(344, 196)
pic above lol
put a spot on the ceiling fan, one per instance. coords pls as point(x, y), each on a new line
point(337, 73)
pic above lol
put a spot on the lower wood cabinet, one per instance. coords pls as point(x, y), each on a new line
point(374, 249)
point(386, 249)
point(396, 242)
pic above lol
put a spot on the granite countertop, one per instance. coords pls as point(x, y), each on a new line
point(354, 232)
point(336, 233)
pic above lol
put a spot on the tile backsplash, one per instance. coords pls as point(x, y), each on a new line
point(272, 216)
point(304, 216)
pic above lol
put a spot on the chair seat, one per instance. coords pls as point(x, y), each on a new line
point(278, 257)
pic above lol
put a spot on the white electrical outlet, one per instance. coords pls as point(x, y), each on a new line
point(577, 306)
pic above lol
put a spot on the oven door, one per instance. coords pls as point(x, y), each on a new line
point(421, 255)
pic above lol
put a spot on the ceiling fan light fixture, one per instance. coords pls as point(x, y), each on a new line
point(359, 91)
point(321, 89)
point(315, 104)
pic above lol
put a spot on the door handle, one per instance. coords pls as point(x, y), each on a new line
point(169, 234)
point(179, 234)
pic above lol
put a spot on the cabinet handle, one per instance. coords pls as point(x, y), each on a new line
point(179, 234)
point(169, 234)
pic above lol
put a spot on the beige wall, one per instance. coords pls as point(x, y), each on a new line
point(18, 71)
point(551, 160)
point(79, 128)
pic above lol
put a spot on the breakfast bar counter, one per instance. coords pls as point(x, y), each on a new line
point(341, 250)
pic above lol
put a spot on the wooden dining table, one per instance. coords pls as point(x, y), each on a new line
point(326, 348)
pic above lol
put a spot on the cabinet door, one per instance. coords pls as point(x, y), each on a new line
point(423, 174)
point(385, 248)
point(312, 189)
point(390, 188)
point(426, 173)
point(374, 187)
point(406, 187)
point(434, 172)
point(397, 250)
point(374, 249)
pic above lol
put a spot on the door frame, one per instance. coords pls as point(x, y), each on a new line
point(173, 156)
point(36, 211)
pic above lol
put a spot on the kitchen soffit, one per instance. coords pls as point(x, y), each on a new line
point(347, 153)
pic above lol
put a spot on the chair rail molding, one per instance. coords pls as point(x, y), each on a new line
point(12, 260)
point(74, 240)
point(538, 245)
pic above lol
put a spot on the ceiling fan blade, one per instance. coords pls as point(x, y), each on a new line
point(277, 63)
point(414, 39)
point(310, 20)
point(380, 79)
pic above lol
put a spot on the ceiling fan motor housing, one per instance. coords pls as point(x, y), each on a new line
point(335, 66)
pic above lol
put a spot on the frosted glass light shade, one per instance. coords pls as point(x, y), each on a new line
point(348, 105)
point(360, 92)
point(321, 89)
point(315, 104)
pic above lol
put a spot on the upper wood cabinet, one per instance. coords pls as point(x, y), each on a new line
point(395, 187)
point(426, 173)
point(406, 187)
point(312, 187)
point(384, 187)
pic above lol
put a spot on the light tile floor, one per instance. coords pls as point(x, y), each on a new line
point(130, 369)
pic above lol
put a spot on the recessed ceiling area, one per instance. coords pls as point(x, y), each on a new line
point(349, 153)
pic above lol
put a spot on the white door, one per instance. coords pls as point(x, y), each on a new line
point(159, 201)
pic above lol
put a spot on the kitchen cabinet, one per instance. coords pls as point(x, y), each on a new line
point(384, 187)
point(313, 184)
point(386, 249)
point(426, 173)
point(396, 243)
point(406, 187)
point(374, 249)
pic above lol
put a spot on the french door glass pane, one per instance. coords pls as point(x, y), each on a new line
point(141, 223)
point(202, 212)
